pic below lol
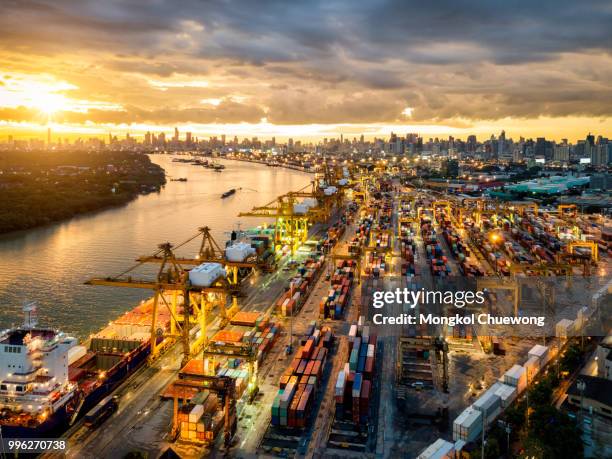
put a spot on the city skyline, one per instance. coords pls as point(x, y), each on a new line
point(306, 71)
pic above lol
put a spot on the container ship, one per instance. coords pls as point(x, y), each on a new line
point(48, 380)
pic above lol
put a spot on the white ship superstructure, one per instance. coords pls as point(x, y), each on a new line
point(34, 368)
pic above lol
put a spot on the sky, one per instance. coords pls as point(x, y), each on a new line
point(307, 69)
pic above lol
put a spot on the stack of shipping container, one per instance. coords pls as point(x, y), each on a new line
point(300, 287)
point(299, 383)
point(341, 281)
point(353, 386)
point(200, 422)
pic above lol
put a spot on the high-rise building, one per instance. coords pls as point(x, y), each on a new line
point(600, 152)
point(188, 139)
point(176, 135)
point(562, 152)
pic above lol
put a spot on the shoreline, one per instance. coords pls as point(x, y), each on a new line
point(79, 214)
point(264, 163)
point(8, 234)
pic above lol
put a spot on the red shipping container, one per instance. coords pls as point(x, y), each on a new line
point(364, 397)
point(308, 370)
point(302, 367)
point(308, 348)
point(369, 366)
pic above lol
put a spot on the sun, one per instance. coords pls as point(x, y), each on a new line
point(40, 92)
point(48, 102)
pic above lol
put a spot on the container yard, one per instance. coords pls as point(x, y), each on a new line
point(296, 367)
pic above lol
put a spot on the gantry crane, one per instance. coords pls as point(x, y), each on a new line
point(423, 210)
point(478, 214)
point(211, 252)
point(246, 352)
point(513, 285)
point(172, 278)
point(411, 218)
point(571, 247)
point(568, 210)
point(522, 207)
point(291, 227)
point(446, 205)
point(223, 386)
point(374, 233)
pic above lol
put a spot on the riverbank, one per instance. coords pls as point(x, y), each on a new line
point(265, 163)
point(42, 187)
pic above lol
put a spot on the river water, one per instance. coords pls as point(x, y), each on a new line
point(50, 264)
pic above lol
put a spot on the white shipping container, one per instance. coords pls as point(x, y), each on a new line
point(489, 404)
point(532, 366)
point(196, 413)
point(517, 377)
point(330, 190)
point(310, 202)
point(506, 393)
point(468, 425)
point(239, 251)
point(440, 449)
point(541, 353)
point(300, 209)
point(371, 350)
point(206, 274)
point(340, 383)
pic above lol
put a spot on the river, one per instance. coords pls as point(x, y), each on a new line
point(50, 264)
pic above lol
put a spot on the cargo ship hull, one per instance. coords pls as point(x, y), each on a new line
point(52, 427)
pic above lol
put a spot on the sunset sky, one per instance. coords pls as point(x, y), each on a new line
point(306, 69)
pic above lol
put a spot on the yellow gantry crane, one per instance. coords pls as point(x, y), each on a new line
point(210, 252)
point(567, 210)
point(522, 207)
point(291, 223)
point(446, 209)
point(223, 386)
point(172, 279)
point(571, 247)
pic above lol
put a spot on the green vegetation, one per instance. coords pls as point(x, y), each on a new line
point(550, 433)
point(41, 187)
point(572, 358)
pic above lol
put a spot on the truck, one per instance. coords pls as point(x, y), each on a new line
point(101, 412)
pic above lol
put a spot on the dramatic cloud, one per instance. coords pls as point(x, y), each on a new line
point(314, 62)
